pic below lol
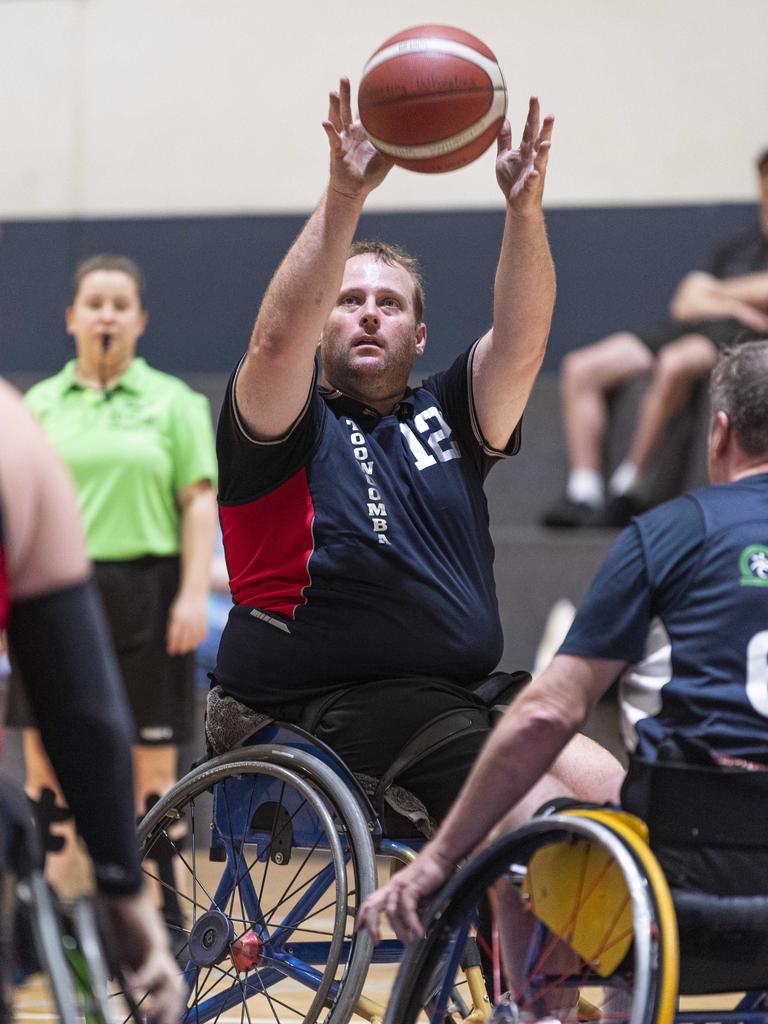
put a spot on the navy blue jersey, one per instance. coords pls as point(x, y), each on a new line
point(683, 595)
point(358, 545)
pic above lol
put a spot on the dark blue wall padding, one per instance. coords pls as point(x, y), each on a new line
point(617, 267)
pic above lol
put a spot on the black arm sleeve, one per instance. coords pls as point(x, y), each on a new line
point(64, 652)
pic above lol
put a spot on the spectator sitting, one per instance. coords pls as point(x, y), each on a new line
point(709, 312)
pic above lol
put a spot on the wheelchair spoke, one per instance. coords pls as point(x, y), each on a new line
point(241, 846)
point(195, 882)
point(216, 976)
point(274, 1001)
point(304, 931)
point(264, 855)
point(267, 851)
point(289, 895)
point(244, 1012)
point(183, 860)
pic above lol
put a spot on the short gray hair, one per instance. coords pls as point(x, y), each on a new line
point(739, 388)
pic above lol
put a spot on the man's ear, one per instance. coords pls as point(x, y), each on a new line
point(421, 338)
point(720, 435)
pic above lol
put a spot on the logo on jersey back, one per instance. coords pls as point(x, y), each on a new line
point(753, 565)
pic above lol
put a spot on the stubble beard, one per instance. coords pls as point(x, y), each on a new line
point(385, 378)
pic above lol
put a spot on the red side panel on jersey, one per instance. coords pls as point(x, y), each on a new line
point(268, 544)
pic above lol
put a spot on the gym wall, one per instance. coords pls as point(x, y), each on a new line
point(187, 134)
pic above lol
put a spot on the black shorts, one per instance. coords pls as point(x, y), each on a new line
point(369, 724)
point(719, 870)
point(704, 819)
point(722, 333)
point(137, 596)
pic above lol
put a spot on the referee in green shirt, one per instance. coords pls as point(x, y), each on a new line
point(139, 445)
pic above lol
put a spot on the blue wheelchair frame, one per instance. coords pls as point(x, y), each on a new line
point(255, 821)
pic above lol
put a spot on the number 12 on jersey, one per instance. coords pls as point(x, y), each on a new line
point(439, 439)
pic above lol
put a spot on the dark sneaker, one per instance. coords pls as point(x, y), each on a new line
point(567, 513)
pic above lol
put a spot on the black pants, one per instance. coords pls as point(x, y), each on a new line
point(368, 724)
point(136, 595)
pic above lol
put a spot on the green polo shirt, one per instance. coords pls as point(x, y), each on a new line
point(130, 451)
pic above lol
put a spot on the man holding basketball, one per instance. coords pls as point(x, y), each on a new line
point(354, 521)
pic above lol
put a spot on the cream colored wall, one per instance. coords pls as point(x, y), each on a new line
point(130, 107)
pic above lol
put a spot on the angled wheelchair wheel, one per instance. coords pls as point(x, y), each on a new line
point(597, 935)
point(259, 859)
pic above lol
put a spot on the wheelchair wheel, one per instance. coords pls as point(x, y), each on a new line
point(601, 940)
point(260, 859)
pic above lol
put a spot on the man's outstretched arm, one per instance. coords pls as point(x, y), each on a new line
point(508, 357)
point(275, 377)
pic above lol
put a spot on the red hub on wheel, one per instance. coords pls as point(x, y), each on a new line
point(247, 951)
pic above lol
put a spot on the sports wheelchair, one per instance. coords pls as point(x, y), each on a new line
point(261, 856)
point(637, 952)
point(37, 935)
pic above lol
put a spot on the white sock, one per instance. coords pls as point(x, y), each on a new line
point(586, 487)
point(624, 478)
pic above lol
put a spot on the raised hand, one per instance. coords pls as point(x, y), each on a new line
point(520, 172)
point(356, 167)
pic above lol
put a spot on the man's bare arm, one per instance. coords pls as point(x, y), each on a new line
point(508, 357)
point(701, 296)
point(275, 377)
point(43, 539)
point(48, 568)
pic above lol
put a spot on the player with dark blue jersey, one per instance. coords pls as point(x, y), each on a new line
point(354, 522)
point(680, 610)
point(694, 568)
point(328, 529)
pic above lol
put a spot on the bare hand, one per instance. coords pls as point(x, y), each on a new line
point(753, 318)
point(356, 166)
point(399, 899)
point(520, 172)
point(187, 623)
point(135, 929)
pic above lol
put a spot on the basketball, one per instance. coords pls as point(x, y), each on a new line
point(432, 98)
